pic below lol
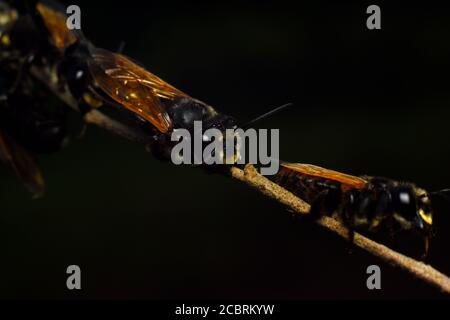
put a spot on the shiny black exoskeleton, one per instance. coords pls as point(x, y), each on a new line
point(376, 205)
point(384, 203)
point(28, 111)
point(184, 112)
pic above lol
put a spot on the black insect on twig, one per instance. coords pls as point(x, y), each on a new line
point(112, 91)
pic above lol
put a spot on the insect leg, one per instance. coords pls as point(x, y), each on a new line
point(347, 212)
point(347, 221)
point(24, 63)
point(426, 247)
point(325, 203)
point(318, 206)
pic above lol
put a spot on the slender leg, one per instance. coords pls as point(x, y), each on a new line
point(318, 206)
point(348, 223)
point(351, 240)
point(426, 248)
point(23, 63)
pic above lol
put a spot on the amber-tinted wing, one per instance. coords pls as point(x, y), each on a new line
point(132, 86)
point(23, 163)
point(56, 24)
point(308, 169)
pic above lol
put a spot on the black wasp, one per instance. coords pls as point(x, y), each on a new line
point(372, 204)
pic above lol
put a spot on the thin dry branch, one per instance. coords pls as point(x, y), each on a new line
point(419, 269)
point(102, 120)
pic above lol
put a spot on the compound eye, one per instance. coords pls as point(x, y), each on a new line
point(79, 74)
point(404, 198)
point(405, 204)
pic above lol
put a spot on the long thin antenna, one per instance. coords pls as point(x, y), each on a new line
point(267, 114)
point(121, 47)
point(440, 191)
point(444, 193)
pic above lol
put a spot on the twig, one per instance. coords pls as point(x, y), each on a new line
point(250, 176)
point(102, 120)
point(419, 269)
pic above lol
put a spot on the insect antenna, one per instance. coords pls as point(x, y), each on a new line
point(121, 47)
point(267, 115)
point(444, 193)
point(79, 35)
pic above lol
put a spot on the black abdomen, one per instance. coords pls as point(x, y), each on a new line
point(310, 188)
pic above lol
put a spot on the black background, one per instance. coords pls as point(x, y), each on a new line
point(366, 102)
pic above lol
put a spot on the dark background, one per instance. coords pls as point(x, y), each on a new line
point(366, 102)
